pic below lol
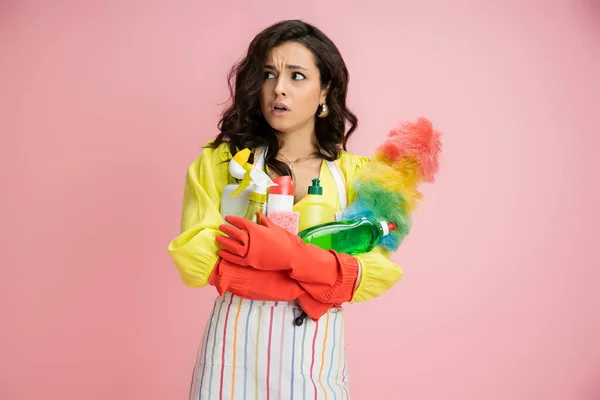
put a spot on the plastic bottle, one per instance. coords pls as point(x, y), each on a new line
point(258, 197)
point(355, 236)
point(281, 197)
point(280, 205)
point(313, 209)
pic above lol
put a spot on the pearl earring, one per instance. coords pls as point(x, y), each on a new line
point(324, 111)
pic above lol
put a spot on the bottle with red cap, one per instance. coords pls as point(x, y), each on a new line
point(280, 204)
point(281, 197)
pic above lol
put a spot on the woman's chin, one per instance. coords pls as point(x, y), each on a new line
point(281, 126)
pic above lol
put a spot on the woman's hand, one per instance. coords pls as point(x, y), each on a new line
point(264, 246)
point(327, 276)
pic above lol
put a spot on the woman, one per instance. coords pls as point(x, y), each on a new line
point(288, 99)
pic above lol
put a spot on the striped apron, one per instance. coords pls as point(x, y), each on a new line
point(252, 350)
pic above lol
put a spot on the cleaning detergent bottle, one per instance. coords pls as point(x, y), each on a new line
point(313, 209)
point(258, 197)
point(354, 236)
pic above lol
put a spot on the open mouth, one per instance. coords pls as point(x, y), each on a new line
point(280, 108)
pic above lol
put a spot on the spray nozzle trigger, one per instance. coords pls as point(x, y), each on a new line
point(245, 180)
point(239, 168)
point(261, 181)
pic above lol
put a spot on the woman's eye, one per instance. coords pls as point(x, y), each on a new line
point(269, 75)
point(297, 76)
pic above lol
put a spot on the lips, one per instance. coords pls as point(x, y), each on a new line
point(280, 107)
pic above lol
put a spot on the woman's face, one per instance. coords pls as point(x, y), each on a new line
point(291, 91)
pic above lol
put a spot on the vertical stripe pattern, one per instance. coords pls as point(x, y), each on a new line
point(312, 358)
point(281, 341)
point(324, 347)
point(253, 350)
point(331, 361)
point(235, 335)
point(249, 312)
point(292, 366)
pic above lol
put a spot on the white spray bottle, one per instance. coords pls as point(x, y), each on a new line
point(249, 196)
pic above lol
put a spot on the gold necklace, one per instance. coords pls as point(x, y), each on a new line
point(297, 161)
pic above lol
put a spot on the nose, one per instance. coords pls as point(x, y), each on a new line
point(280, 87)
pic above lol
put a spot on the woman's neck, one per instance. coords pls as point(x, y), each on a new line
point(298, 144)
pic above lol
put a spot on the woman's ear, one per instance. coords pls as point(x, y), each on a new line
point(324, 92)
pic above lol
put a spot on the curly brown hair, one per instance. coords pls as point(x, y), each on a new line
point(243, 126)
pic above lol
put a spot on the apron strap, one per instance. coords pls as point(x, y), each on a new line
point(259, 157)
point(339, 182)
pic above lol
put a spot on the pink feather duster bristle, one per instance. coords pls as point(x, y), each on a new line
point(416, 140)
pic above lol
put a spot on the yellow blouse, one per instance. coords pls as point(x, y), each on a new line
point(194, 250)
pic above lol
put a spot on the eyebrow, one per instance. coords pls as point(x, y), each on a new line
point(268, 66)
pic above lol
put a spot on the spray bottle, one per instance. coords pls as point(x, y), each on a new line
point(235, 196)
point(354, 236)
point(258, 197)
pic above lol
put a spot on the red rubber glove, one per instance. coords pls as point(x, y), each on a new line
point(328, 276)
point(254, 284)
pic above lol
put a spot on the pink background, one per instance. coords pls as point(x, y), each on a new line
point(104, 105)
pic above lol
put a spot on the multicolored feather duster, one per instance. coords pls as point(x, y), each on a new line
point(387, 187)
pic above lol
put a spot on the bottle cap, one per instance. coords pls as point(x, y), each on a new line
point(284, 186)
point(315, 188)
point(387, 227)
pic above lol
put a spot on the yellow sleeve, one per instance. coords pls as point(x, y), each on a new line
point(194, 250)
point(378, 271)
